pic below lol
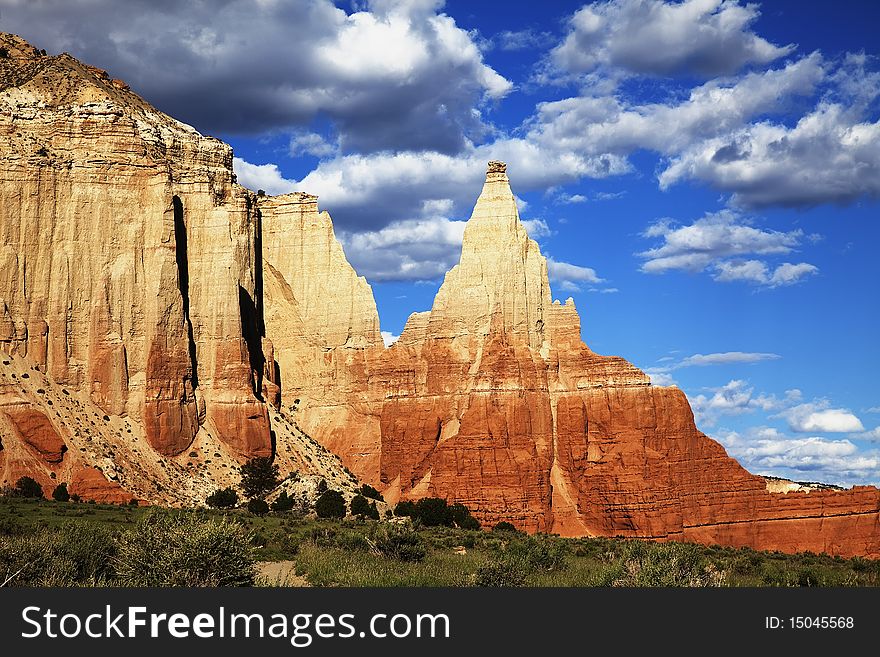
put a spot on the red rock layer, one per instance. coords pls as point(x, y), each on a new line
point(492, 400)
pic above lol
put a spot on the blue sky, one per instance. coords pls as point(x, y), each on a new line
point(704, 175)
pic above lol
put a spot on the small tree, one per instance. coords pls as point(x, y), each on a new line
point(60, 493)
point(372, 493)
point(504, 526)
point(258, 507)
point(359, 506)
point(462, 517)
point(406, 509)
point(331, 504)
point(259, 476)
point(433, 512)
point(222, 498)
point(28, 487)
point(283, 502)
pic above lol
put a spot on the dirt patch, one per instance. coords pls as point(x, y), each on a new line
point(279, 573)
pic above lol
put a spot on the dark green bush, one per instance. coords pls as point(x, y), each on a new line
point(509, 570)
point(283, 502)
point(74, 554)
point(644, 563)
point(541, 552)
point(433, 512)
point(372, 493)
point(462, 518)
point(362, 508)
point(167, 549)
point(60, 493)
point(398, 542)
point(259, 476)
point(405, 509)
point(222, 498)
point(330, 504)
point(504, 526)
point(28, 487)
point(258, 507)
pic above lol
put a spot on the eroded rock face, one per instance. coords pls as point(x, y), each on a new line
point(125, 251)
point(135, 361)
point(492, 399)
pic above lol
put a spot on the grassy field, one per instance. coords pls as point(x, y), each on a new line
point(368, 553)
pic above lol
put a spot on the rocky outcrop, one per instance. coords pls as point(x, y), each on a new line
point(492, 399)
point(131, 277)
point(160, 323)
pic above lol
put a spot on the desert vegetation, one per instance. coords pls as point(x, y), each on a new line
point(54, 543)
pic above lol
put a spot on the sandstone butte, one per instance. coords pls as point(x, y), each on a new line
point(160, 323)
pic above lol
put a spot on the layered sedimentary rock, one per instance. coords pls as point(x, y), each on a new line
point(493, 400)
point(130, 276)
point(159, 324)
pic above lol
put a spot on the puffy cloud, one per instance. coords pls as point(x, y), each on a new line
point(766, 450)
point(419, 249)
point(873, 435)
point(660, 376)
point(396, 75)
point(537, 228)
point(734, 398)
point(370, 191)
point(830, 155)
point(717, 242)
point(656, 37)
point(389, 338)
point(267, 177)
point(311, 143)
point(817, 417)
point(606, 123)
point(569, 272)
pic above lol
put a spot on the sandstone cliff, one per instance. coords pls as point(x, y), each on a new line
point(492, 399)
point(131, 276)
point(159, 324)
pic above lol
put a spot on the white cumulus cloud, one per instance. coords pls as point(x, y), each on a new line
point(706, 37)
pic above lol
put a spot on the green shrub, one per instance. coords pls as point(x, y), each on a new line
point(405, 509)
point(259, 476)
point(645, 563)
point(509, 570)
point(27, 487)
point(372, 493)
point(258, 507)
point(461, 516)
point(60, 493)
point(222, 498)
point(433, 512)
point(362, 508)
point(283, 502)
point(398, 542)
point(167, 549)
point(504, 526)
point(73, 554)
point(330, 504)
point(541, 552)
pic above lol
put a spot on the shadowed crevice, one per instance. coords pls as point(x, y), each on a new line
point(181, 255)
